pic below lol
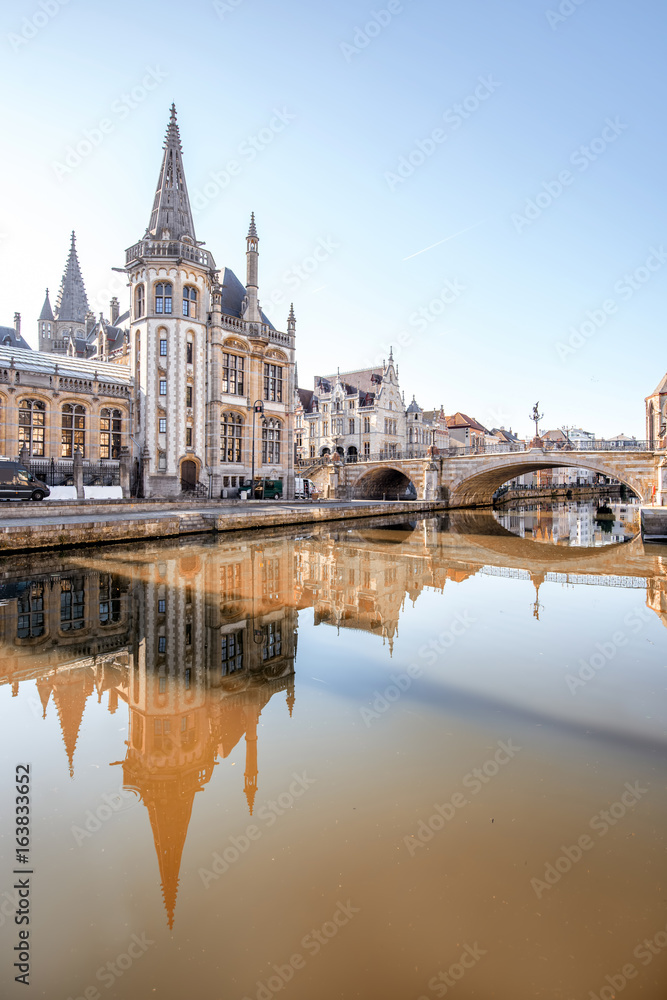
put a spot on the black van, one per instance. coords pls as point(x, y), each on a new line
point(18, 483)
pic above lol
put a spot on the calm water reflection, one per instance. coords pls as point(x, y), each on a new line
point(453, 782)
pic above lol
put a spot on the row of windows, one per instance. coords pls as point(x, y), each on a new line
point(188, 350)
point(30, 606)
point(231, 439)
point(163, 300)
point(233, 378)
point(73, 417)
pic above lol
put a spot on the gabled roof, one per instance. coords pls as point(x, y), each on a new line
point(306, 398)
point(463, 420)
point(661, 387)
point(10, 338)
point(233, 294)
point(365, 380)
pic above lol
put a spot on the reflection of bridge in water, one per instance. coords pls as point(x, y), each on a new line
point(196, 640)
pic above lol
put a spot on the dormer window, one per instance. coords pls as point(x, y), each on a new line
point(163, 297)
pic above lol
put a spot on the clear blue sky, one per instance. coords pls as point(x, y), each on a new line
point(499, 292)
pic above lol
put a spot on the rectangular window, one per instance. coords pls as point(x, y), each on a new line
point(188, 352)
point(162, 644)
point(188, 679)
point(188, 395)
point(325, 428)
point(163, 425)
point(351, 431)
point(312, 451)
point(163, 348)
point(232, 374)
point(163, 387)
point(188, 633)
point(161, 607)
point(231, 653)
point(188, 437)
point(367, 425)
point(367, 449)
point(273, 383)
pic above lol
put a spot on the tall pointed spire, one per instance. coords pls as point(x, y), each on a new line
point(171, 207)
point(72, 301)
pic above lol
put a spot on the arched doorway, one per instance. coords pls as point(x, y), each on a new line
point(188, 475)
point(325, 451)
point(352, 453)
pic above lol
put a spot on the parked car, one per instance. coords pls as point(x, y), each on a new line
point(18, 483)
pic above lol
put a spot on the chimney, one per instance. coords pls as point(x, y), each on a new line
point(17, 324)
point(114, 310)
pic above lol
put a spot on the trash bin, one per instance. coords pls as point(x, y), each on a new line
point(244, 494)
point(224, 494)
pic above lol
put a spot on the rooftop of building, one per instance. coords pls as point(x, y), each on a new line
point(60, 364)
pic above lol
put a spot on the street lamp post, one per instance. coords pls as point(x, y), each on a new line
point(257, 407)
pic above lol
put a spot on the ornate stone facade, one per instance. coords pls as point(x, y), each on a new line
point(214, 379)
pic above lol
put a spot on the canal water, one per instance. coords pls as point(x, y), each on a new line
point(374, 759)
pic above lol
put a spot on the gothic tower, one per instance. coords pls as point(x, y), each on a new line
point(171, 279)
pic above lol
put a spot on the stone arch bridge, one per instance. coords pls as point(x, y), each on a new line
point(470, 480)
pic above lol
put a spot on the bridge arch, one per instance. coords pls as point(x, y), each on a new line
point(478, 479)
point(384, 482)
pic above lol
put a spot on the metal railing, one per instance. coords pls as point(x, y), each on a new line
point(61, 473)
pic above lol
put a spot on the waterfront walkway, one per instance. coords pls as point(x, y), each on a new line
point(46, 526)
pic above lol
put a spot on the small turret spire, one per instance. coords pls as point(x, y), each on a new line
point(252, 312)
point(47, 311)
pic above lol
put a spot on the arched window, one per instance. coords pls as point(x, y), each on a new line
point(110, 433)
point(139, 304)
point(231, 436)
point(32, 415)
point(73, 430)
point(163, 297)
point(271, 442)
point(190, 302)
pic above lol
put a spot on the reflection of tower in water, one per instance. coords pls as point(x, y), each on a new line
point(213, 655)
